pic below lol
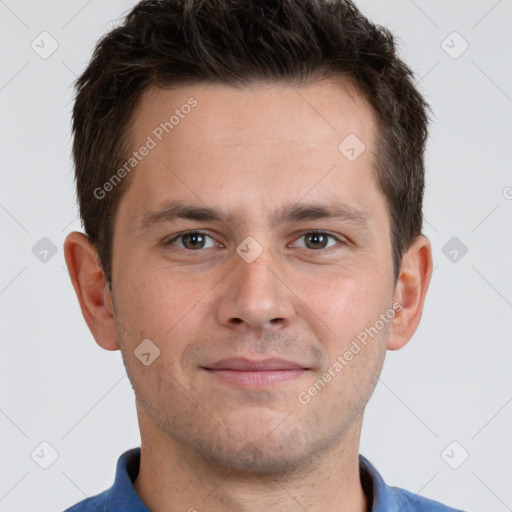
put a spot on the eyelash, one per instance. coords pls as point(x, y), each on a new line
point(312, 231)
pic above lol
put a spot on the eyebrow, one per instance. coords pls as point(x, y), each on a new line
point(289, 213)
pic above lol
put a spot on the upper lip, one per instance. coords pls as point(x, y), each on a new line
point(243, 364)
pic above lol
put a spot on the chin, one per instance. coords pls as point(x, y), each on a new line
point(264, 447)
point(258, 458)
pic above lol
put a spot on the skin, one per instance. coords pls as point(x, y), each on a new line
point(207, 444)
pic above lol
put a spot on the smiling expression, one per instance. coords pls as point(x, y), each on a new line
point(258, 171)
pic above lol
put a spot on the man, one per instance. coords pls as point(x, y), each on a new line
point(250, 179)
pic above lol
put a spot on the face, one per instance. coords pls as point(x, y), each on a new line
point(289, 261)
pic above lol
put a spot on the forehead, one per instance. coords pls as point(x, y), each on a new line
point(227, 114)
point(260, 144)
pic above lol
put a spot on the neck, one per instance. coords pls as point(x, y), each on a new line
point(173, 478)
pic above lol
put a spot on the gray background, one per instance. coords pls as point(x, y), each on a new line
point(452, 382)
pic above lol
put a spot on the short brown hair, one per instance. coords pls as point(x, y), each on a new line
point(236, 43)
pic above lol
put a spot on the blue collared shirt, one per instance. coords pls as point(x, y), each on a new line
point(121, 497)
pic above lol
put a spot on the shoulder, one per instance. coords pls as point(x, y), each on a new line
point(122, 496)
point(410, 502)
point(385, 497)
point(96, 503)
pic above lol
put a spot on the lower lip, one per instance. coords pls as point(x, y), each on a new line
point(256, 379)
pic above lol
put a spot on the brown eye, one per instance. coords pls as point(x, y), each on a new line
point(315, 240)
point(192, 241)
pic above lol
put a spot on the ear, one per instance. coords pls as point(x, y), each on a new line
point(91, 289)
point(410, 291)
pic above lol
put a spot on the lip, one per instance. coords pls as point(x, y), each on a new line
point(247, 373)
point(250, 365)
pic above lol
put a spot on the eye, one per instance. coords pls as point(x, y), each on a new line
point(192, 241)
point(196, 240)
point(315, 240)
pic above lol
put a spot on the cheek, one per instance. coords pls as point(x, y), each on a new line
point(154, 304)
point(353, 344)
point(165, 312)
point(344, 303)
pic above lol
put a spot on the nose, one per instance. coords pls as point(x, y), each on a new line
point(255, 296)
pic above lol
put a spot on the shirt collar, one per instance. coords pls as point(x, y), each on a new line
point(123, 497)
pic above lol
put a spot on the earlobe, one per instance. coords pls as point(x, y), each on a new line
point(91, 288)
point(410, 292)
